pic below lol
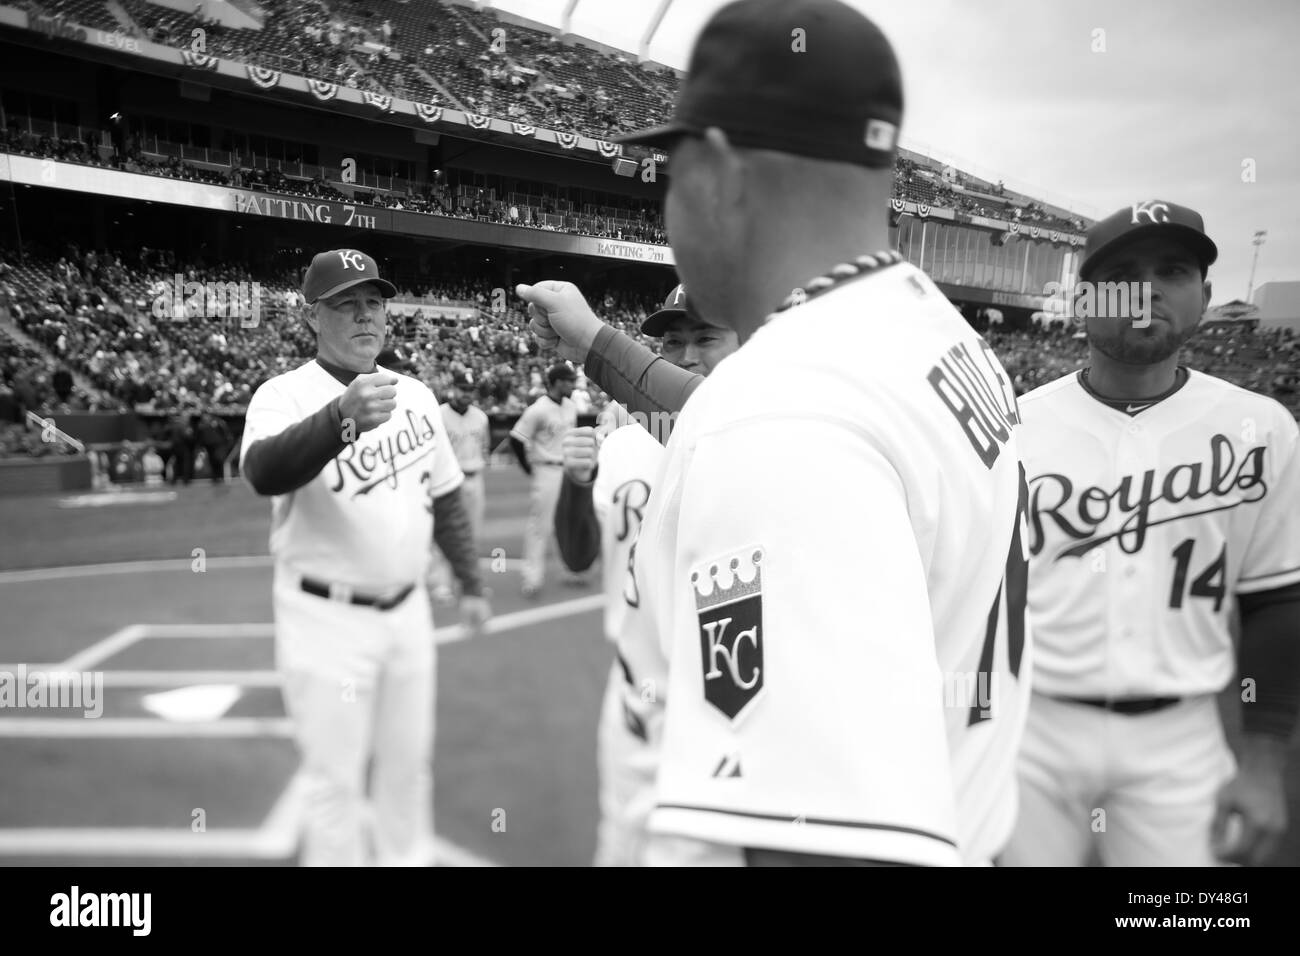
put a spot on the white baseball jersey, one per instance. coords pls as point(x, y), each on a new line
point(627, 461)
point(1142, 527)
point(366, 520)
point(468, 434)
point(838, 571)
point(542, 427)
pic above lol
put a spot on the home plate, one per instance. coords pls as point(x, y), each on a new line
point(193, 704)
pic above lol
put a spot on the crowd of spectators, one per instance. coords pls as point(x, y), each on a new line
point(435, 53)
point(478, 62)
point(948, 188)
point(640, 222)
point(90, 316)
point(1265, 361)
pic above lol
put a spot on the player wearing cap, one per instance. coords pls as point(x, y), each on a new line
point(362, 480)
point(608, 473)
point(537, 440)
point(846, 644)
point(468, 430)
point(1159, 498)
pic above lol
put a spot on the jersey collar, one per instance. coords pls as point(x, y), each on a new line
point(1134, 406)
point(343, 375)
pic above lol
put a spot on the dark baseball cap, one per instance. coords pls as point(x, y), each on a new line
point(809, 77)
point(560, 371)
point(332, 272)
point(1148, 218)
point(676, 305)
point(389, 359)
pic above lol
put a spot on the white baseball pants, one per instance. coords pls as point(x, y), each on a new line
point(540, 530)
point(1138, 789)
point(626, 765)
point(360, 683)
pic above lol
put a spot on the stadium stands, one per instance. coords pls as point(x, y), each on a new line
point(89, 315)
point(94, 313)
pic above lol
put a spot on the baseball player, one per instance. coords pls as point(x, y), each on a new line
point(845, 641)
point(468, 430)
point(362, 480)
point(537, 440)
point(1159, 498)
point(607, 479)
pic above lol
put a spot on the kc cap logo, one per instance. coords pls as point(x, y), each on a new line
point(679, 294)
point(729, 603)
point(352, 260)
point(880, 135)
point(333, 271)
point(1155, 211)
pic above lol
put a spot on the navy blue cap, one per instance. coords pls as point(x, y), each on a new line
point(656, 324)
point(1150, 217)
point(812, 78)
point(332, 272)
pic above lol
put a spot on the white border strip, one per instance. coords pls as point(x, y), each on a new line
point(171, 564)
point(143, 727)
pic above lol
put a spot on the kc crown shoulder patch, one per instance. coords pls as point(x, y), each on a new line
point(729, 605)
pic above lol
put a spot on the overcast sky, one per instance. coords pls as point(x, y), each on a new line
point(1184, 93)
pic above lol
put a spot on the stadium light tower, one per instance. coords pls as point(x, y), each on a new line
point(1260, 236)
point(643, 48)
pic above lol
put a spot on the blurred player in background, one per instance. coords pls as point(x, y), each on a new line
point(468, 430)
point(1159, 495)
point(607, 479)
point(362, 479)
point(836, 573)
point(537, 440)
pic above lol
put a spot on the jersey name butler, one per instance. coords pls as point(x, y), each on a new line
point(985, 416)
point(366, 464)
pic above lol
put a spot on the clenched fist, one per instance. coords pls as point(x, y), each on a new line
point(580, 447)
point(560, 318)
point(369, 401)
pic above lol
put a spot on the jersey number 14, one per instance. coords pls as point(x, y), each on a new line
point(1210, 583)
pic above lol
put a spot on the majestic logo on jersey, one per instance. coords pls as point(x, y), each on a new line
point(729, 602)
point(368, 462)
point(1154, 210)
point(352, 260)
point(1092, 516)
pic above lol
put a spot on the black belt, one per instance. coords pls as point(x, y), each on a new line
point(1128, 705)
point(469, 474)
point(339, 593)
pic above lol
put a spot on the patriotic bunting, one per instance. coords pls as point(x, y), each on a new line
point(428, 112)
point(322, 89)
point(199, 61)
point(263, 77)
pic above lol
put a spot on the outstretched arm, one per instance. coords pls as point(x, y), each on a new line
point(641, 381)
